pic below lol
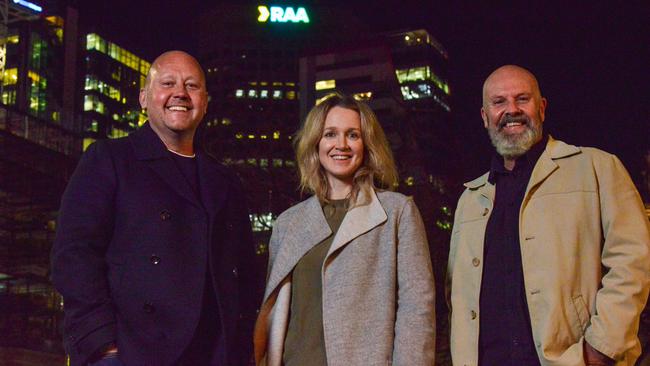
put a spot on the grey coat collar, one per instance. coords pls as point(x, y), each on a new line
point(307, 227)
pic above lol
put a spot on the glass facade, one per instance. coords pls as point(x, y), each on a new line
point(114, 77)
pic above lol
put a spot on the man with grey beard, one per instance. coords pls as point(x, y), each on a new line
point(550, 249)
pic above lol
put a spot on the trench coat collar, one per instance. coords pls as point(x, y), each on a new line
point(308, 227)
point(546, 164)
point(149, 147)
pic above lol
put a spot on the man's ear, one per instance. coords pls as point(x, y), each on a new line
point(484, 117)
point(143, 98)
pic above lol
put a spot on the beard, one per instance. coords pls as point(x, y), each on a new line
point(512, 146)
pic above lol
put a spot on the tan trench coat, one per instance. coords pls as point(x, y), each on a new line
point(378, 290)
point(585, 244)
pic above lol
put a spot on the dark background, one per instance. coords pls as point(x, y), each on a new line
point(592, 59)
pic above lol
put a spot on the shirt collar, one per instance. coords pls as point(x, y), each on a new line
point(528, 160)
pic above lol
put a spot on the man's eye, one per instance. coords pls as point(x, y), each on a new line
point(167, 83)
point(192, 86)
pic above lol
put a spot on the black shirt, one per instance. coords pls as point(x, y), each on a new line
point(505, 336)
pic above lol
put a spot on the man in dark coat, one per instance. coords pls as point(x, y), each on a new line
point(153, 240)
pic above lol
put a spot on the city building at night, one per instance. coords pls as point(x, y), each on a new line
point(60, 90)
point(111, 86)
point(250, 56)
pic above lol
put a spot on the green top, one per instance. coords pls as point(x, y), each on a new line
point(305, 342)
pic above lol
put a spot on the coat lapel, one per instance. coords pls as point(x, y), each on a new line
point(359, 220)
point(308, 228)
point(546, 164)
point(149, 148)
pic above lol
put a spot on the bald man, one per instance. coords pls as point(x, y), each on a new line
point(153, 240)
point(550, 249)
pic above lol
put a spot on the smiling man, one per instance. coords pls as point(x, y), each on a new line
point(550, 249)
point(153, 240)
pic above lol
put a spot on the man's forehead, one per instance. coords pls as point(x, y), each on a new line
point(510, 81)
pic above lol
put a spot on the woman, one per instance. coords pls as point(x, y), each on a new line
point(350, 280)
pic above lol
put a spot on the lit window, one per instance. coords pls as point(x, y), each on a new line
point(409, 181)
point(325, 84)
point(264, 94)
point(13, 39)
point(252, 93)
point(10, 77)
point(251, 136)
point(276, 135)
point(261, 222)
point(277, 163)
point(289, 163)
point(263, 83)
point(263, 137)
point(239, 135)
point(277, 94)
point(289, 83)
point(277, 83)
point(239, 93)
point(87, 142)
point(362, 96)
point(226, 122)
point(264, 163)
point(291, 94)
point(251, 161)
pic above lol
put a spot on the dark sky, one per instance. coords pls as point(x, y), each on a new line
point(592, 59)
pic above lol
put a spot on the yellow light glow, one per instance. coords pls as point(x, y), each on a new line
point(325, 84)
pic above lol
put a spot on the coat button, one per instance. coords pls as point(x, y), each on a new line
point(154, 259)
point(165, 215)
point(485, 212)
point(148, 308)
point(476, 262)
point(235, 272)
point(473, 314)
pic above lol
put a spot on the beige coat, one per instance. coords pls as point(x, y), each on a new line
point(378, 291)
point(585, 249)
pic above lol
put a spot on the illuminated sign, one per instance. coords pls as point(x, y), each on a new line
point(27, 4)
point(277, 14)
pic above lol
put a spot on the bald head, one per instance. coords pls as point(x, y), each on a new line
point(172, 56)
point(507, 73)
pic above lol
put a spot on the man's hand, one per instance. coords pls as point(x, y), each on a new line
point(593, 357)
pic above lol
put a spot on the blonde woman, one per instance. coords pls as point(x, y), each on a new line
point(350, 280)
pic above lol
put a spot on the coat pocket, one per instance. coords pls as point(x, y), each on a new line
point(582, 313)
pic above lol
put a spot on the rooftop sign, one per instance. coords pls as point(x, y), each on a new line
point(278, 14)
point(27, 4)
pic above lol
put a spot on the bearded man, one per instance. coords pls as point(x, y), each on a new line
point(550, 249)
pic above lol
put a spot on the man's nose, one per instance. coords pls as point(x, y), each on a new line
point(512, 108)
point(180, 92)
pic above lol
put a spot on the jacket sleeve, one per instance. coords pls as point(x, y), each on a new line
point(78, 268)
point(415, 318)
point(626, 260)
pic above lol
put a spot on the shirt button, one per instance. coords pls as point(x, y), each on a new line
point(485, 212)
point(154, 259)
point(148, 308)
point(473, 314)
point(476, 262)
point(165, 215)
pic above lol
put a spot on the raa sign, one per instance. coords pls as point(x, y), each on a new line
point(278, 14)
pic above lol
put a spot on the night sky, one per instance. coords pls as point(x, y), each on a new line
point(592, 59)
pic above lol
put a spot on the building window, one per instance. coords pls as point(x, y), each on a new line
point(277, 94)
point(325, 84)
